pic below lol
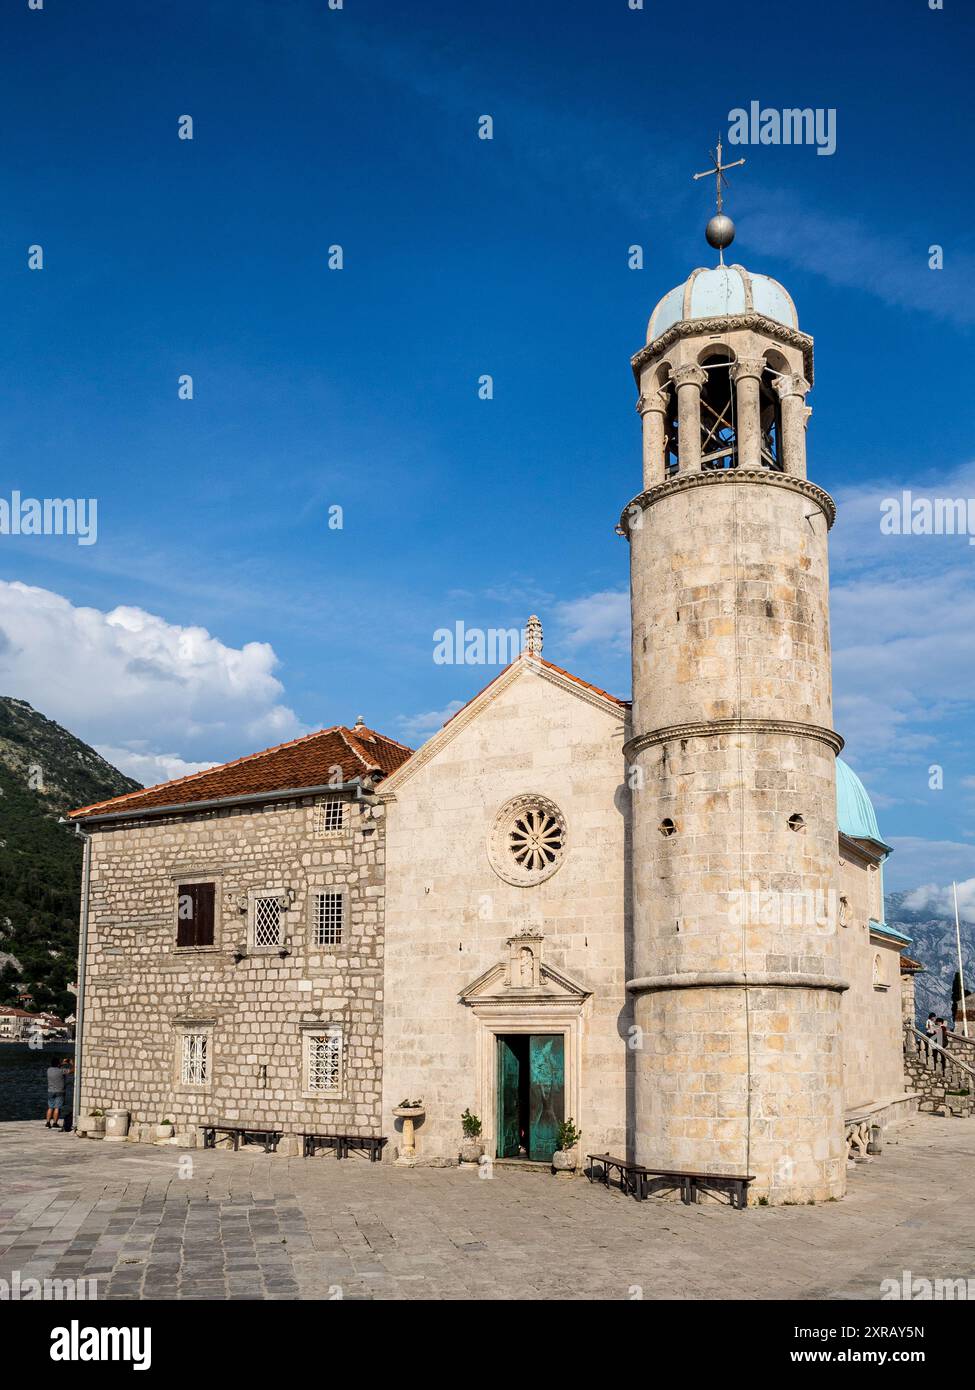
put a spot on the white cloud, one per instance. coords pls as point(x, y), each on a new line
point(420, 726)
point(850, 252)
point(131, 682)
point(903, 622)
point(939, 901)
point(917, 860)
point(602, 618)
point(149, 768)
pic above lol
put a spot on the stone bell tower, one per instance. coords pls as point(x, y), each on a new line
point(732, 761)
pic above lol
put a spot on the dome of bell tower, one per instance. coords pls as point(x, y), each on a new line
point(720, 292)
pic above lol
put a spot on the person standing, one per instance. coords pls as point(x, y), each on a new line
point(57, 1077)
point(941, 1038)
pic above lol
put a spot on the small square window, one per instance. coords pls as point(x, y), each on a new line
point(323, 1061)
point(331, 816)
point(328, 918)
point(267, 922)
point(194, 1061)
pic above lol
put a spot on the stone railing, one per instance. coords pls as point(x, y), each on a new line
point(962, 1047)
point(941, 1079)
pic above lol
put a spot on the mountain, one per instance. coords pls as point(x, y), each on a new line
point(44, 772)
point(934, 946)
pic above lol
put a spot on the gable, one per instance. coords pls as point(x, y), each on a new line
point(529, 706)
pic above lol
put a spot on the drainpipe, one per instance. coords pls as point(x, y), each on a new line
point(79, 1027)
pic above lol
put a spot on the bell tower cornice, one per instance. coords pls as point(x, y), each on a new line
point(681, 481)
point(719, 327)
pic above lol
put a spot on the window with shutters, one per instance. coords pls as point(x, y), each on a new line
point(267, 922)
point(195, 914)
point(331, 816)
point(328, 918)
point(194, 1063)
point(323, 1061)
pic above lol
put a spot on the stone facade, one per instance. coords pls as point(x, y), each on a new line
point(451, 916)
point(872, 1012)
point(144, 992)
point(737, 982)
point(661, 894)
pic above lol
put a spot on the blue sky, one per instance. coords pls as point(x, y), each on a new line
point(218, 612)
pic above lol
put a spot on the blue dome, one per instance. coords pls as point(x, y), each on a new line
point(854, 809)
point(721, 291)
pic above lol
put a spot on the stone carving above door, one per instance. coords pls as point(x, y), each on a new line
point(521, 977)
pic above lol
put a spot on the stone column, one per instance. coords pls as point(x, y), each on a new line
point(792, 390)
point(653, 412)
point(747, 375)
point(689, 380)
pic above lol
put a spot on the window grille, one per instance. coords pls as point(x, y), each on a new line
point(194, 1060)
point(267, 922)
point(329, 919)
point(324, 1060)
point(331, 816)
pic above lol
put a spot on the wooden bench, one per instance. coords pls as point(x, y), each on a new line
point(243, 1134)
point(344, 1144)
point(635, 1178)
point(631, 1175)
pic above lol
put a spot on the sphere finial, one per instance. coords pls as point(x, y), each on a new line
point(720, 231)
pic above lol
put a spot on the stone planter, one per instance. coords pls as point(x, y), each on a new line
point(409, 1114)
point(116, 1124)
point(94, 1126)
point(470, 1153)
point(163, 1133)
point(564, 1162)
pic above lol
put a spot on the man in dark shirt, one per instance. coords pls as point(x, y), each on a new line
point(56, 1083)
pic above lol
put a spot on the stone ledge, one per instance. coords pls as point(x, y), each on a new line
point(711, 728)
point(733, 979)
point(681, 481)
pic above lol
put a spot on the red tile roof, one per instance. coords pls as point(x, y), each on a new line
point(309, 761)
point(909, 966)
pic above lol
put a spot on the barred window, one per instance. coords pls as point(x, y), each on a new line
point(267, 922)
point(331, 816)
point(328, 918)
point(194, 1069)
point(323, 1060)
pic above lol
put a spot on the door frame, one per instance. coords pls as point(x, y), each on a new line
point(494, 1023)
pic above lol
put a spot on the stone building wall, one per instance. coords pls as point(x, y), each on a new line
point(449, 914)
point(142, 991)
point(738, 995)
point(871, 1015)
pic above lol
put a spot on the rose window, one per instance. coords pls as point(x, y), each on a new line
point(528, 840)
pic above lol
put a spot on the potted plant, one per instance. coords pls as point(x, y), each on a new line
point(471, 1149)
point(96, 1124)
point(165, 1129)
point(564, 1160)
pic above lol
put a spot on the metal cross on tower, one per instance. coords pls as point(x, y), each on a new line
point(719, 172)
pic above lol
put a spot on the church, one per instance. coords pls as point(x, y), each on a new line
point(661, 917)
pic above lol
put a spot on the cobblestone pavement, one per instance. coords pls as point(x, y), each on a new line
point(150, 1222)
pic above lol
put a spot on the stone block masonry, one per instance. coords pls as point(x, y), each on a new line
point(254, 1007)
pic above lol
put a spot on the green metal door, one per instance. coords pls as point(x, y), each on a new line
point(546, 1103)
point(509, 1078)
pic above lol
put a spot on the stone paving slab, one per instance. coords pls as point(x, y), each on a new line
point(151, 1222)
